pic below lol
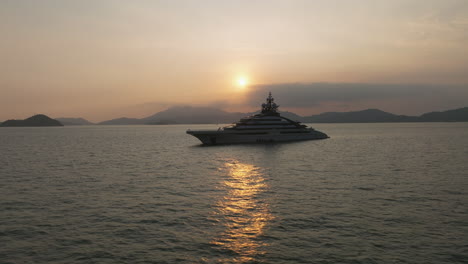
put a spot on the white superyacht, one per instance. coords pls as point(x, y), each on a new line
point(268, 126)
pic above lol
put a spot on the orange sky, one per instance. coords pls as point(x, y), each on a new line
point(106, 59)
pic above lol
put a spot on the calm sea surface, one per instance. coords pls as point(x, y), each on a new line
point(372, 193)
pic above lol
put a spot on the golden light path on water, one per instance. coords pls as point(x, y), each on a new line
point(243, 214)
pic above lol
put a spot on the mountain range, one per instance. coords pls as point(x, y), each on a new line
point(209, 115)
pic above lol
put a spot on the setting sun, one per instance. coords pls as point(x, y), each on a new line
point(242, 82)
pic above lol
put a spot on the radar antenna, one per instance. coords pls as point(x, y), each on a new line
point(270, 107)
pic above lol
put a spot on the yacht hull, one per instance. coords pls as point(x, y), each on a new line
point(228, 137)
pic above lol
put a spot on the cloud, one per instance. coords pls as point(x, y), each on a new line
point(314, 94)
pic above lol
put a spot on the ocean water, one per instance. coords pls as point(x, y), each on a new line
point(372, 193)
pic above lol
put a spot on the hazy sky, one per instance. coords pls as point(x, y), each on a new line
point(103, 59)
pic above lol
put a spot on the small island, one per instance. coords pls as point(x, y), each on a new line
point(33, 121)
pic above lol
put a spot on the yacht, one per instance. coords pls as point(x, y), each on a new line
point(267, 126)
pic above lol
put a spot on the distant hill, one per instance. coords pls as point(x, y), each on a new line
point(456, 115)
point(123, 121)
point(181, 115)
point(71, 121)
point(375, 115)
point(364, 116)
point(209, 115)
point(33, 121)
point(192, 115)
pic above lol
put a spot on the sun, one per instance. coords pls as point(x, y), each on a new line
point(242, 82)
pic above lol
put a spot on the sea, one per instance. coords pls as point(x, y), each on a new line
point(371, 193)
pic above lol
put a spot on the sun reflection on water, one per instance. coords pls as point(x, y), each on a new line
point(243, 213)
